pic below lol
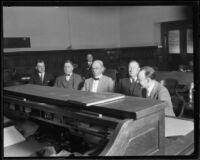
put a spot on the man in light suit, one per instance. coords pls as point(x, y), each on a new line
point(155, 90)
point(130, 86)
point(40, 77)
point(69, 79)
point(99, 82)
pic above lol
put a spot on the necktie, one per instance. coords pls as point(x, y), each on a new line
point(132, 80)
point(41, 77)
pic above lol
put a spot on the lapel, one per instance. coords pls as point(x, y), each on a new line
point(90, 84)
point(44, 78)
point(133, 86)
point(38, 78)
point(153, 94)
point(71, 80)
point(64, 81)
point(101, 82)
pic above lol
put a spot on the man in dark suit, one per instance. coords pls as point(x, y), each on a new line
point(87, 67)
point(99, 82)
point(40, 77)
point(155, 90)
point(69, 79)
point(130, 86)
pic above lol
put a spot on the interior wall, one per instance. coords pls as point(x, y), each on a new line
point(47, 27)
point(94, 27)
point(139, 25)
point(61, 28)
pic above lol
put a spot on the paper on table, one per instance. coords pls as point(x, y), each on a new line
point(12, 136)
point(177, 127)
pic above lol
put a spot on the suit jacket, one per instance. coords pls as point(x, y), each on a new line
point(74, 82)
point(47, 80)
point(125, 86)
point(86, 70)
point(160, 92)
point(106, 84)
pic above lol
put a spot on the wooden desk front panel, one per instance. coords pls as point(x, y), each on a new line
point(140, 137)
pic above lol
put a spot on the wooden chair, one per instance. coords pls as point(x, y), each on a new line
point(171, 85)
point(12, 83)
point(112, 73)
point(178, 105)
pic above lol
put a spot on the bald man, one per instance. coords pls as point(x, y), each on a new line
point(99, 82)
point(130, 86)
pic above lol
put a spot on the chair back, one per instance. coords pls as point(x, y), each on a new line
point(112, 73)
point(171, 85)
point(178, 105)
point(12, 83)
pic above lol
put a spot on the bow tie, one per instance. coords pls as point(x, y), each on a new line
point(67, 75)
point(96, 79)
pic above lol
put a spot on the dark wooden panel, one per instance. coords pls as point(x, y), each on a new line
point(17, 42)
point(113, 58)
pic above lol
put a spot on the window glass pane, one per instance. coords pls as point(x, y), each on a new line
point(189, 41)
point(174, 41)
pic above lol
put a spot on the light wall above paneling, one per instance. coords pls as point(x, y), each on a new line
point(61, 28)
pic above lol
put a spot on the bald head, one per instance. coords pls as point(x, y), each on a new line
point(97, 68)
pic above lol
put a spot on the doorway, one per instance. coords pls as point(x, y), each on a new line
point(177, 42)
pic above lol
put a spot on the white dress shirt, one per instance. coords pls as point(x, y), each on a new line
point(89, 63)
point(95, 84)
point(68, 77)
point(41, 76)
point(149, 90)
point(131, 79)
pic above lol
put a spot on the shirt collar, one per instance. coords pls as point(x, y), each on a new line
point(99, 76)
point(68, 75)
point(41, 73)
point(131, 79)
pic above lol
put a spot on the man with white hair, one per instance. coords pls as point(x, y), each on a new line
point(99, 82)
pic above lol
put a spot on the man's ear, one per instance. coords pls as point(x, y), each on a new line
point(148, 80)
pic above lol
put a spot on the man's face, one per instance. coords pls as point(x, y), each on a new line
point(41, 67)
point(96, 69)
point(142, 79)
point(68, 68)
point(133, 69)
point(89, 58)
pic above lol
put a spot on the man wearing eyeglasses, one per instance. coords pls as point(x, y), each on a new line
point(99, 82)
